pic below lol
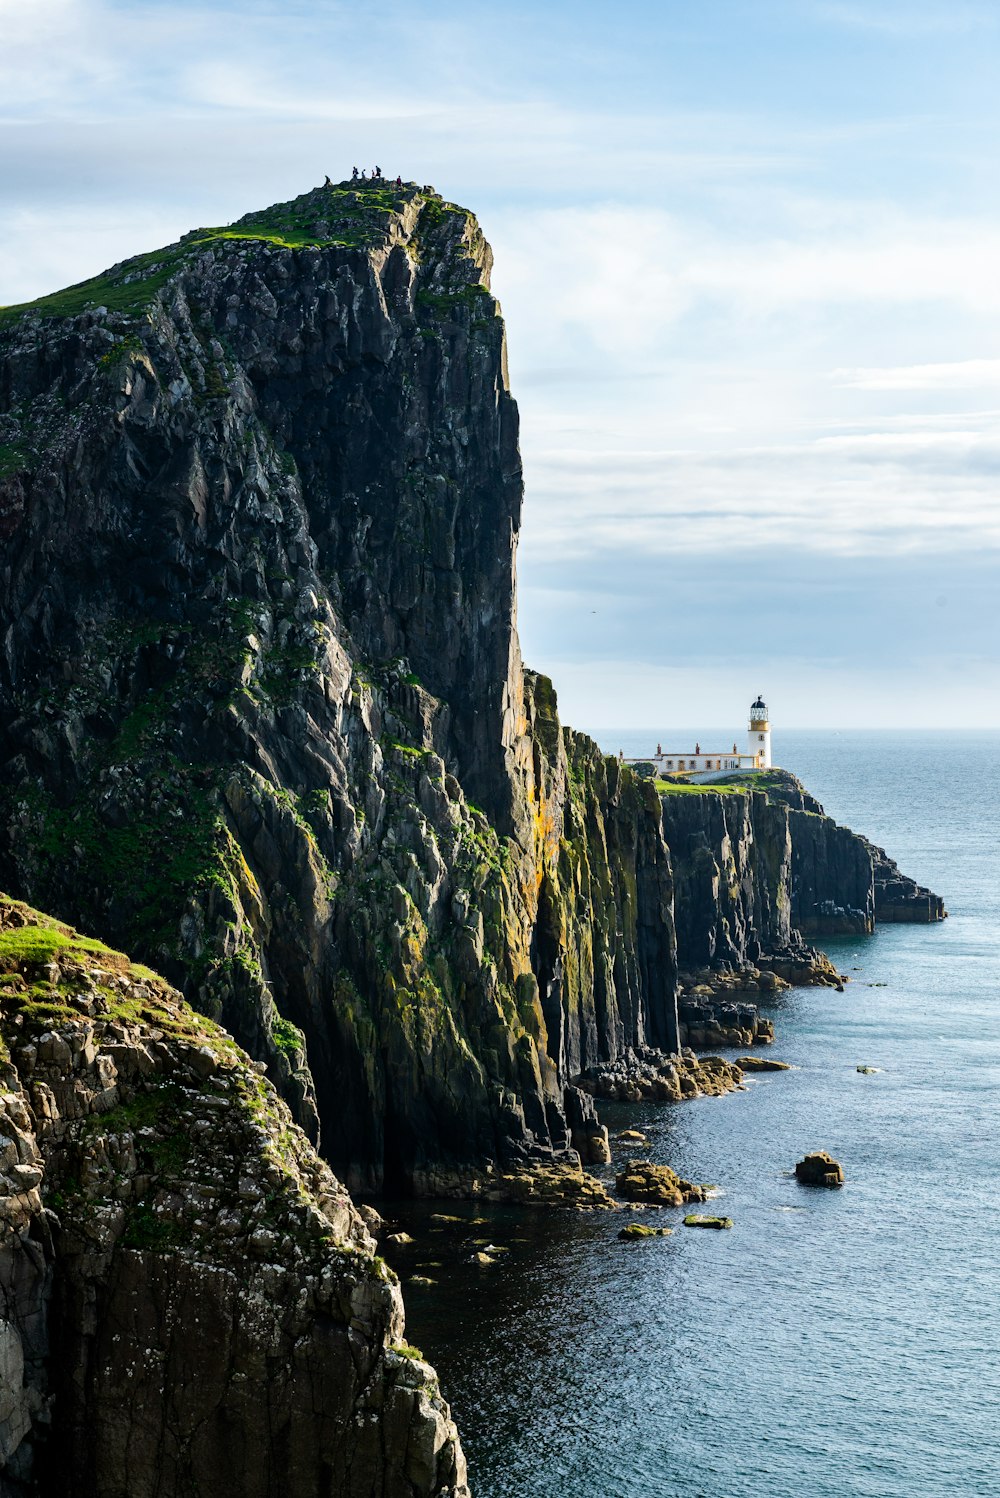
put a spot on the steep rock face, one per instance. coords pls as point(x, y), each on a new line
point(833, 880)
point(833, 891)
point(757, 870)
point(188, 1300)
point(263, 718)
point(898, 898)
point(732, 857)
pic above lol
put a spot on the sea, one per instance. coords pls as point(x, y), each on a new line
point(833, 1344)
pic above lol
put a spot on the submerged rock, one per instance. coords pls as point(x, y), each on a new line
point(696, 1220)
point(819, 1169)
point(636, 1230)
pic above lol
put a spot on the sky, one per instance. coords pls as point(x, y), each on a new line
point(747, 253)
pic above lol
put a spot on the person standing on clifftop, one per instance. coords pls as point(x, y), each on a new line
point(354, 174)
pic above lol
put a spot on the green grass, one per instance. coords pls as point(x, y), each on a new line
point(407, 1350)
point(12, 459)
point(129, 289)
point(40, 945)
point(473, 296)
point(145, 1230)
point(159, 857)
point(355, 218)
point(286, 1036)
point(722, 788)
point(27, 990)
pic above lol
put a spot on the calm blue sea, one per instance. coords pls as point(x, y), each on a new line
point(834, 1343)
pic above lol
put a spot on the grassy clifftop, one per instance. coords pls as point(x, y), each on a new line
point(348, 215)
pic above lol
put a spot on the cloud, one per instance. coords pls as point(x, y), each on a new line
point(611, 700)
point(624, 276)
point(964, 374)
point(890, 493)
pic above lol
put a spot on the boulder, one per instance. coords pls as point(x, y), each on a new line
point(819, 1169)
point(636, 1230)
point(761, 1063)
point(697, 1220)
point(642, 1181)
point(373, 1220)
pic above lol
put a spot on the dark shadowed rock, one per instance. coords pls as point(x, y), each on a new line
point(189, 1302)
point(819, 1169)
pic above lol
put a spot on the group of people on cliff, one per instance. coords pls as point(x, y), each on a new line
point(376, 176)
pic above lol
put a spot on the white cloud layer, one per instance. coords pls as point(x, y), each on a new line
point(964, 374)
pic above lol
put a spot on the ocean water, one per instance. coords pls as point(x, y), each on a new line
point(833, 1343)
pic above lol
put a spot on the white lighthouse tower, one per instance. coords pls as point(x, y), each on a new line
point(760, 734)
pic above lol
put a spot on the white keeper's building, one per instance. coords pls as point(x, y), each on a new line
point(701, 761)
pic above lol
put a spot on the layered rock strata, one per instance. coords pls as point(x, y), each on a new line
point(189, 1302)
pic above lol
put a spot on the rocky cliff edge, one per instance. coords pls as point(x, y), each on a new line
point(189, 1302)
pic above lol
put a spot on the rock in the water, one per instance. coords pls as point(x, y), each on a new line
point(399, 1240)
point(644, 1072)
point(761, 1063)
point(636, 1230)
point(596, 1147)
point(642, 1181)
point(819, 1169)
point(697, 1220)
point(631, 1136)
point(552, 1186)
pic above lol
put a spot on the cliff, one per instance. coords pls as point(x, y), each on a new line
point(189, 1303)
point(263, 718)
point(758, 866)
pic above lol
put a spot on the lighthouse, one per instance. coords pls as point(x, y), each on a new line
point(760, 734)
